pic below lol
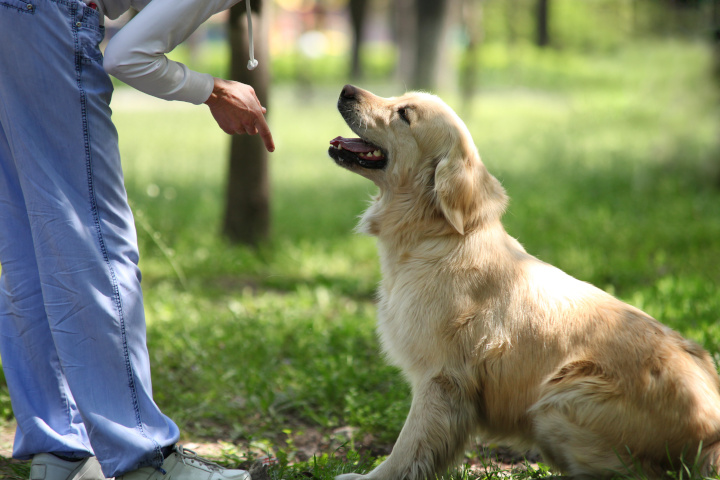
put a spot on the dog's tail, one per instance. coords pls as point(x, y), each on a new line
point(710, 460)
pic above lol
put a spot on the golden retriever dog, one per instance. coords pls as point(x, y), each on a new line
point(497, 343)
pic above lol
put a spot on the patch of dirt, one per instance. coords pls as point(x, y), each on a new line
point(306, 442)
point(10, 469)
point(7, 435)
point(301, 445)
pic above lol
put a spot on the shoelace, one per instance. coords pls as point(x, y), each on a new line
point(186, 454)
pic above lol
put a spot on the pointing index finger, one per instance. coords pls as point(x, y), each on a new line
point(264, 132)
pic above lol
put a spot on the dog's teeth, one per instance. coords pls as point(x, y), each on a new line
point(377, 153)
point(339, 147)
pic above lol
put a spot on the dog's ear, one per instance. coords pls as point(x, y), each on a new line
point(465, 191)
point(455, 187)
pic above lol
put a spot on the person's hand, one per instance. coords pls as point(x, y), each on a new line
point(237, 110)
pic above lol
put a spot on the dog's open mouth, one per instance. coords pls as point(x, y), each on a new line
point(358, 151)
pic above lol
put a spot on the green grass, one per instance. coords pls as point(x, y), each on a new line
point(611, 161)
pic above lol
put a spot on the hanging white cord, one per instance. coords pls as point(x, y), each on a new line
point(252, 63)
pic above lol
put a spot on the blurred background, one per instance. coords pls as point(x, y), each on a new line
point(600, 117)
point(439, 44)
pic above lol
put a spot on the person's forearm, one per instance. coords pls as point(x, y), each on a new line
point(137, 53)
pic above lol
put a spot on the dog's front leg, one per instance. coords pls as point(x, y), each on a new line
point(436, 430)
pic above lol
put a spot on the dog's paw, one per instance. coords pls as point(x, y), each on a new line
point(349, 476)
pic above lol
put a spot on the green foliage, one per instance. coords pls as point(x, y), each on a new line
point(596, 25)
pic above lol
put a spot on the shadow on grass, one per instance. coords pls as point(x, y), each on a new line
point(14, 469)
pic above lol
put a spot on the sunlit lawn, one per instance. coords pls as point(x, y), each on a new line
point(611, 162)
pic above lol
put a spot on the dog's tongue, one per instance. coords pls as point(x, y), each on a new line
point(355, 145)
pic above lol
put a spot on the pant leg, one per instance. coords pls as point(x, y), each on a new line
point(54, 109)
point(42, 402)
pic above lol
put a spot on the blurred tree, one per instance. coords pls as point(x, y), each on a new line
point(403, 19)
point(472, 20)
point(430, 24)
point(358, 14)
point(247, 206)
point(510, 9)
point(716, 53)
point(681, 18)
point(716, 39)
point(543, 28)
point(685, 3)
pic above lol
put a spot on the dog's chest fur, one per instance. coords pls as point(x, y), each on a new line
point(428, 313)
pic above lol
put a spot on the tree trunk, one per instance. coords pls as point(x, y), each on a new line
point(428, 42)
point(358, 14)
point(511, 9)
point(404, 35)
point(716, 54)
point(472, 19)
point(543, 28)
point(716, 58)
point(716, 39)
point(247, 207)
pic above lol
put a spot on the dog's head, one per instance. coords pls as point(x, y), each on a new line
point(421, 155)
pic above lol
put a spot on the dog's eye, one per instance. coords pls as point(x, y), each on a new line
point(402, 112)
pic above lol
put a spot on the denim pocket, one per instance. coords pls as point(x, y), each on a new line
point(90, 34)
point(19, 5)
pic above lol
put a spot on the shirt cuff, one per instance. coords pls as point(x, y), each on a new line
point(198, 88)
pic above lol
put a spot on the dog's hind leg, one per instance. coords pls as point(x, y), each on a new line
point(435, 432)
point(711, 460)
point(573, 449)
point(583, 429)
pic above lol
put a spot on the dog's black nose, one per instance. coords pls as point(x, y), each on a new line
point(348, 92)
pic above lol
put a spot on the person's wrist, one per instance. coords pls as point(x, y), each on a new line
point(214, 94)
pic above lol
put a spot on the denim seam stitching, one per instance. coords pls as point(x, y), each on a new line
point(96, 220)
point(20, 10)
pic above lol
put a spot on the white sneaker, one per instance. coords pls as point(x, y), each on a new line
point(46, 466)
point(185, 465)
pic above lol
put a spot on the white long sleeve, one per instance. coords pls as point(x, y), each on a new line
point(137, 53)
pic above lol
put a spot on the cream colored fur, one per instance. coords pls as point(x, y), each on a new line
point(495, 342)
